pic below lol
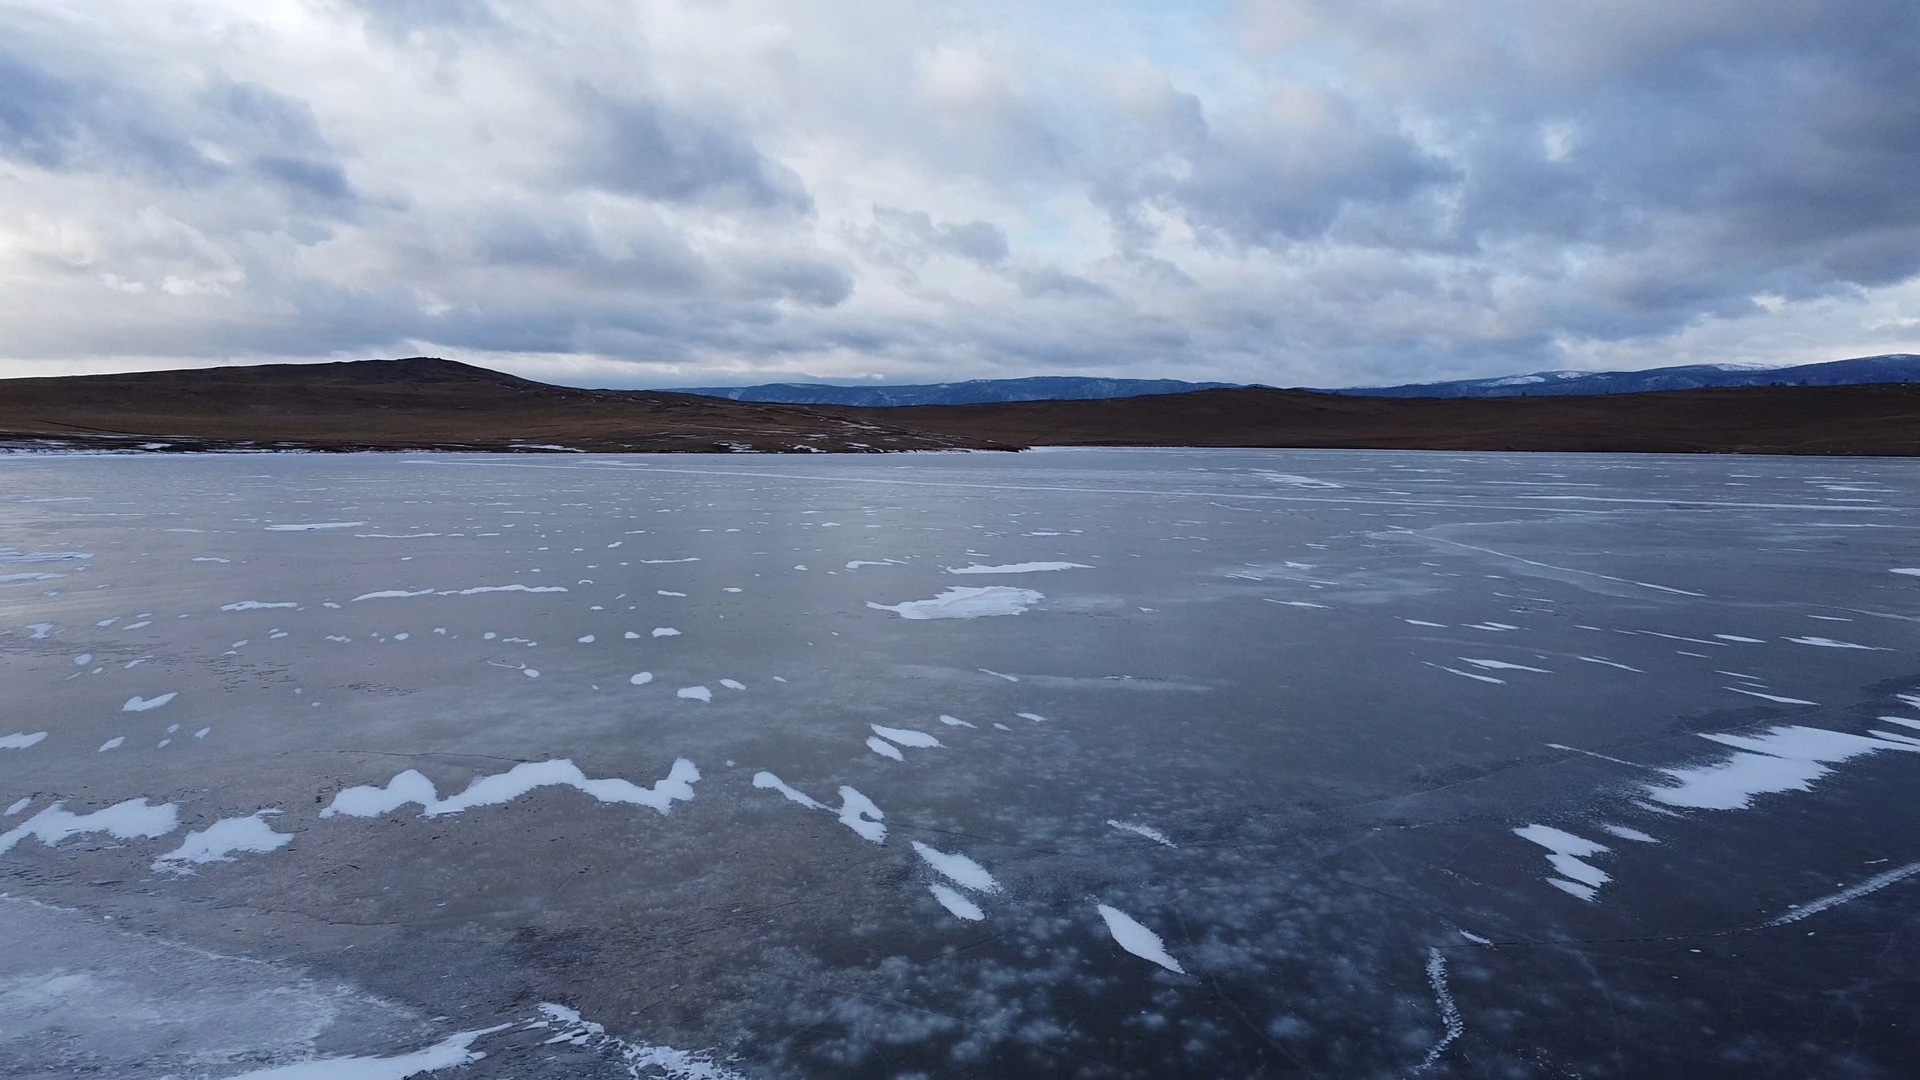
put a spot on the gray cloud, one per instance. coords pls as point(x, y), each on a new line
point(1303, 191)
point(645, 149)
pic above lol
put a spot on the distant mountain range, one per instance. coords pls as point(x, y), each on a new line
point(971, 392)
point(1861, 371)
point(1866, 370)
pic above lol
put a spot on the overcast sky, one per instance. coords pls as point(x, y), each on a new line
point(1297, 192)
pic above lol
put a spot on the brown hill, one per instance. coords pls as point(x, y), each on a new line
point(414, 404)
point(1870, 420)
point(423, 403)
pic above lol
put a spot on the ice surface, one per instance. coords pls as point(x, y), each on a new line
point(694, 693)
point(665, 631)
point(1035, 717)
point(258, 605)
point(219, 841)
point(316, 525)
point(1137, 939)
point(961, 602)
point(883, 748)
point(129, 820)
point(957, 904)
point(451, 1052)
point(905, 736)
point(641, 678)
point(1017, 568)
point(20, 740)
point(733, 684)
point(957, 868)
point(1220, 721)
point(113, 744)
point(41, 556)
point(1853, 892)
point(413, 787)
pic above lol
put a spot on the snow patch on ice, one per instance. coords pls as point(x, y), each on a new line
point(391, 594)
point(1776, 698)
point(316, 525)
point(20, 740)
point(768, 781)
point(453, 1051)
point(1566, 852)
point(413, 787)
point(144, 704)
point(958, 869)
point(1016, 568)
point(1295, 480)
point(905, 736)
point(858, 813)
point(218, 842)
point(257, 605)
point(1137, 939)
point(1829, 643)
point(129, 820)
point(883, 748)
point(1147, 831)
point(694, 693)
point(1788, 758)
point(642, 1059)
point(956, 904)
point(1501, 665)
point(961, 602)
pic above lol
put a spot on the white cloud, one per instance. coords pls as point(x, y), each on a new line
point(1294, 191)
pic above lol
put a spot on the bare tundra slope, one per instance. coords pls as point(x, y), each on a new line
point(1865, 420)
point(420, 403)
point(430, 404)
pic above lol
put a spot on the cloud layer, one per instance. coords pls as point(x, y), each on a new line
point(1318, 192)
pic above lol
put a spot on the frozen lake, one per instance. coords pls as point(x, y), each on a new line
point(1089, 763)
